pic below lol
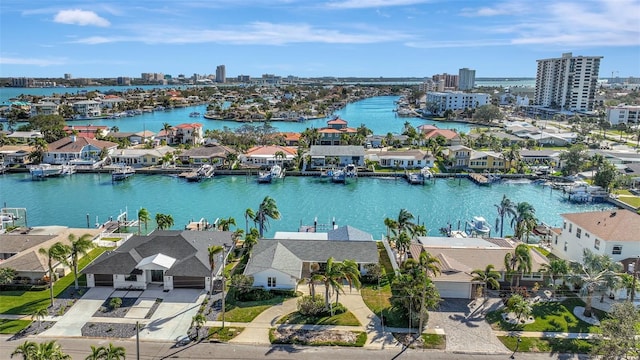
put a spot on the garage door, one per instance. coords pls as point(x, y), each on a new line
point(453, 290)
point(103, 279)
point(190, 282)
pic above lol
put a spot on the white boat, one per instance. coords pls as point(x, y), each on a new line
point(274, 173)
point(42, 171)
point(122, 172)
point(478, 226)
point(204, 172)
point(419, 177)
point(194, 114)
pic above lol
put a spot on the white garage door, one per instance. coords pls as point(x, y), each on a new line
point(454, 290)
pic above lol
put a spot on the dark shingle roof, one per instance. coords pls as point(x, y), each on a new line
point(349, 233)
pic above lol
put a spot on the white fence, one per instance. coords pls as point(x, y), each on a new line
point(390, 254)
point(111, 242)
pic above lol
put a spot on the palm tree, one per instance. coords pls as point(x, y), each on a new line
point(405, 223)
point(224, 224)
point(198, 320)
point(39, 315)
point(266, 210)
point(332, 278)
point(96, 353)
point(248, 215)
point(506, 207)
point(518, 263)
point(488, 277)
point(251, 239)
point(167, 128)
point(524, 214)
point(26, 349)
point(49, 350)
point(57, 252)
point(80, 246)
point(391, 225)
point(213, 252)
point(595, 271)
point(143, 217)
point(555, 267)
point(113, 352)
point(427, 263)
point(402, 243)
point(164, 221)
point(518, 305)
point(350, 274)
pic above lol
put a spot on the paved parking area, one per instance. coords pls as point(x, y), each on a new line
point(465, 327)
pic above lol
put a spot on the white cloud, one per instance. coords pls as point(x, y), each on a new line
point(457, 43)
point(257, 33)
point(31, 61)
point(363, 4)
point(80, 17)
point(511, 9)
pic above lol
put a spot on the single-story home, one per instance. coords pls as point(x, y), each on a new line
point(281, 264)
point(172, 259)
point(459, 257)
point(214, 154)
point(140, 157)
point(336, 155)
point(15, 154)
point(268, 155)
point(20, 251)
point(313, 232)
point(403, 159)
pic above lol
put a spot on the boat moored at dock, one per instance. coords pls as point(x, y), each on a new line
point(122, 172)
point(205, 171)
point(44, 170)
point(275, 172)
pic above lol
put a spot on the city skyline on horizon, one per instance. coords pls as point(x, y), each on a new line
point(333, 38)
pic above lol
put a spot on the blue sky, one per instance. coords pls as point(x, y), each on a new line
point(364, 38)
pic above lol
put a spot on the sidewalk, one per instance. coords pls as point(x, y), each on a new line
point(547, 334)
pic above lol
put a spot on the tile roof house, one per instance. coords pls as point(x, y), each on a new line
point(404, 159)
point(281, 264)
point(452, 137)
point(266, 155)
point(173, 259)
point(77, 150)
point(345, 154)
point(332, 133)
point(459, 257)
point(611, 232)
point(20, 251)
point(140, 157)
point(215, 155)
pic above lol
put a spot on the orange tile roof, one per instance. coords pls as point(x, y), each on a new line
point(271, 150)
point(448, 134)
point(618, 225)
point(189, 126)
point(329, 131)
point(336, 121)
point(291, 136)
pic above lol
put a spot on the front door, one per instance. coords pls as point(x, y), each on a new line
point(157, 276)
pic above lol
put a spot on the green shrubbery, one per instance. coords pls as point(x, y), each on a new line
point(115, 303)
point(315, 306)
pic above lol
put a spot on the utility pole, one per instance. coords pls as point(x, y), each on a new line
point(224, 280)
point(137, 340)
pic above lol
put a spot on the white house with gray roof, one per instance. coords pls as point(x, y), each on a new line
point(336, 155)
point(172, 259)
point(281, 264)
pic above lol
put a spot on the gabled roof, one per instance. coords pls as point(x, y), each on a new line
point(337, 121)
point(68, 145)
point(448, 134)
point(336, 150)
point(615, 225)
point(207, 151)
point(188, 248)
point(349, 233)
point(188, 126)
point(271, 150)
point(275, 256)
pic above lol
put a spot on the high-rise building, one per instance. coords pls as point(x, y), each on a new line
point(567, 83)
point(221, 74)
point(67, 76)
point(123, 81)
point(466, 79)
point(450, 81)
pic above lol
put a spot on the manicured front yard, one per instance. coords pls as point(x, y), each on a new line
point(246, 311)
point(566, 346)
point(21, 302)
point(224, 334)
point(344, 319)
point(13, 326)
point(318, 338)
point(551, 316)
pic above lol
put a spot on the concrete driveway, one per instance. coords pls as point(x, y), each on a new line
point(465, 327)
point(173, 317)
point(71, 323)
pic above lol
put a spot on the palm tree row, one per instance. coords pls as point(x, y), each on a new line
point(522, 216)
point(51, 350)
point(402, 230)
point(333, 276)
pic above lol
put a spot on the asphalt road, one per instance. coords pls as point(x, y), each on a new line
point(79, 348)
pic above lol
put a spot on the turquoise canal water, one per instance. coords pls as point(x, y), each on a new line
point(364, 203)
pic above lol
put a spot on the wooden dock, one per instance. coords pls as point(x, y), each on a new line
point(479, 179)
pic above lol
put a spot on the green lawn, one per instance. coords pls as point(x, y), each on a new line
point(555, 346)
point(224, 334)
point(434, 341)
point(21, 302)
point(246, 311)
point(551, 316)
point(13, 326)
point(344, 319)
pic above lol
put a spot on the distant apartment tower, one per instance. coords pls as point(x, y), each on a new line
point(456, 100)
point(244, 78)
point(68, 77)
point(153, 77)
point(567, 83)
point(22, 82)
point(427, 85)
point(221, 74)
point(123, 81)
point(466, 79)
point(624, 114)
point(450, 81)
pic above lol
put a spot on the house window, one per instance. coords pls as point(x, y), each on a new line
point(596, 244)
point(565, 246)
point(556, 239)
point(564, 225)
point(617, 250)
point(570, 226)
point(271, 282)
point(131, 277)
point(578, 232)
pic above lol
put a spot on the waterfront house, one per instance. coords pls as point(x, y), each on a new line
point(188, 133)
point(403, 159)
point(545, 138)
point(215, 155)
point(78, 150)
point(134, 138)
point(15, 154)
point(281, 264)
point(25, 137)
point(269, 155)
point(451, 136)
point(171, 259)
point(323, 156)
point(611, 232)
point(291, 138)
point(44, 108)
point(20, 251)
point(539, 157)
point(459, 257)
point(325, 232)
point(90, 131)
point(140, 157)
point(332, 133)
point(87, 108)
point(487, 160)
point(459, 156)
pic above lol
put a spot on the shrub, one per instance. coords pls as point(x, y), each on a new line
point(373, 273)
point(311, 305)
point(282, 292)
point(115, 303)
point(255, 294)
